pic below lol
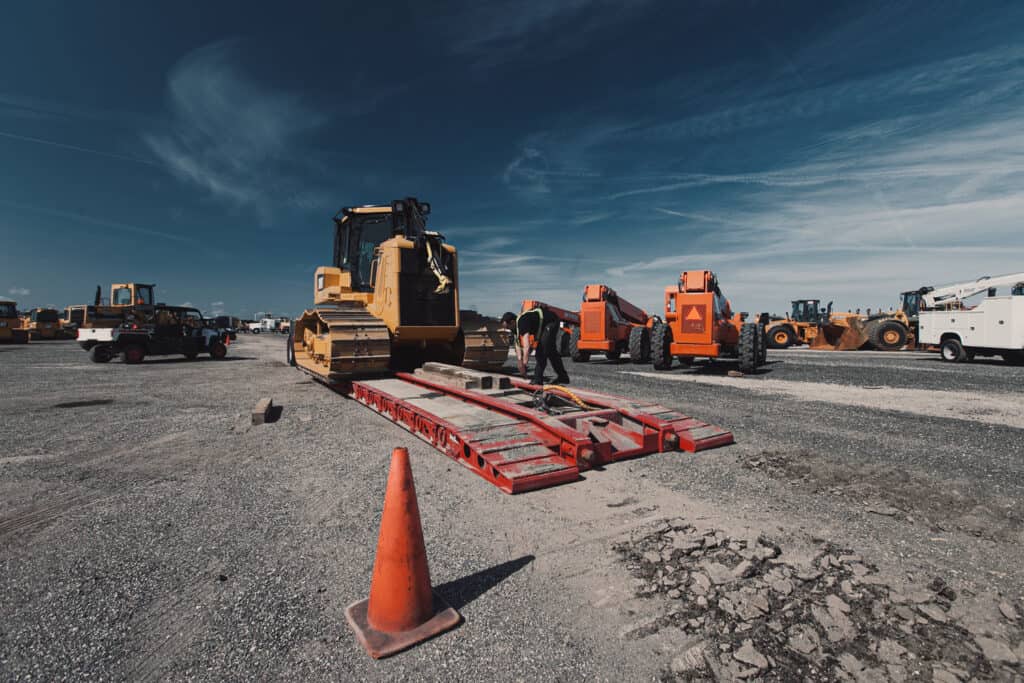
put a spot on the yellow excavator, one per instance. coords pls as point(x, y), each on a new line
point(390, 301)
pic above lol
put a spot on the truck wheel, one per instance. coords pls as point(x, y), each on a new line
point(574, 348)
point(562, 343)
point(612, 355)
point(133, 354)
point(640, 345)
point(889, 336)
point(218, 350)
point(747, 347)
point(1013, 357)
point(661, 346)
point(762, 345)
point(289, 351)
point(781, 337)
point(255, 331)
point(100, 353)
point(952, 351)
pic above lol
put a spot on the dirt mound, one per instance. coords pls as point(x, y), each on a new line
point(753, 615)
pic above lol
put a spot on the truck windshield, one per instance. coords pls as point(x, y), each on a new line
point(8, 311)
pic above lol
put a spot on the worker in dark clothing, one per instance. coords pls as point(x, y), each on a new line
point(542, 325)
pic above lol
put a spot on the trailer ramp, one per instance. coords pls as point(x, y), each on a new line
point(519, 438)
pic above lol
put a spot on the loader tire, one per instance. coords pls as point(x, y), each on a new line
point(100, 353)
point(781, 337)
point(952, 351)
point(661, 346)
point(562, 342)
point(574, 348)
point(889, 336)
point(612, 355)
point(640, 345)
point(747, 347)
point(762, 345)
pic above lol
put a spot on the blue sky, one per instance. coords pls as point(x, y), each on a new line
point(846, 151)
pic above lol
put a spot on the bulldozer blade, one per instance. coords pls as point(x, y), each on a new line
point(840, 337)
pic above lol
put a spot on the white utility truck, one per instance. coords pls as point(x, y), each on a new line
point(993, 327)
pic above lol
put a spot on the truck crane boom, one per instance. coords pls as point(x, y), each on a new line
point(937, 296)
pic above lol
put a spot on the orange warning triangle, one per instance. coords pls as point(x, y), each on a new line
point(694, 314)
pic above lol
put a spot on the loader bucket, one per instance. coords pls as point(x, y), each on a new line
point(848, 335)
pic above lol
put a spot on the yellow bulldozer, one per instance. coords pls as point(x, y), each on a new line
point(11, 330)
point(390, 301)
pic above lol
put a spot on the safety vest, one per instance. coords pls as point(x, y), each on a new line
point(540, 321)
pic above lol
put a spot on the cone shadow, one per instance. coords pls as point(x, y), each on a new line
point(461, 592)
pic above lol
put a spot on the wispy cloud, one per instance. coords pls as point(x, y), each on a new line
point(496, 33)
point(231, 136)
point(19, 291)
point(77, 148)
point(101, 222)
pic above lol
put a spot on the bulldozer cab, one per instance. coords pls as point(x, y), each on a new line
point(810, 311)
point(359, 231)
point(131, 294)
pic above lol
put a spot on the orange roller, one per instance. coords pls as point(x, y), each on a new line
point(402, 609)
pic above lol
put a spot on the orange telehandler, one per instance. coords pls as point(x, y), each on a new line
point(570, 320)
point(610, 325)
point(699, 323)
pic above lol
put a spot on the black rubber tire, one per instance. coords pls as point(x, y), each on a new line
point(661, 344)
point(952, 351)
point(1013, 357)
point(574, 348)
point(133, 354)
point(289, 350)
point(640, 345)
point(781, 337)
point(747, 347)
point(218, 351)
point(762, 345)
point(889, 335)
point(192, 355)
point(100, 353)
point(562, 342)
point(612, 355)
point(256, 331)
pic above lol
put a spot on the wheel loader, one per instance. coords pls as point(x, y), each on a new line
point(699, 323)
point(124, 297)
point(390, 301)
point(612, 326)
point(43, 323)
point(825, 329)
point(11, 331)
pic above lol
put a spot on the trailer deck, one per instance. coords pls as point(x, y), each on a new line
point(520, 437)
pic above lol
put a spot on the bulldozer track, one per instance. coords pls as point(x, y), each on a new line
point(39, 516)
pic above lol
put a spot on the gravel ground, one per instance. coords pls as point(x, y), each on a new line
point(148, 531)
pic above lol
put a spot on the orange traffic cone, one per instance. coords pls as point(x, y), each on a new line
point(402, 609)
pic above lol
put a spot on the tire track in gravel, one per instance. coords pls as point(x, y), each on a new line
point(38, 516)
point(169, 626)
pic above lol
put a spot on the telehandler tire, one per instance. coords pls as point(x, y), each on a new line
point(781, 337)
point(889, 336)
point(747, 347)
point(574, 348)
point(562, 343)
point(640, 345)
point(661, 346)
point(762, 345)
point(100, 353)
